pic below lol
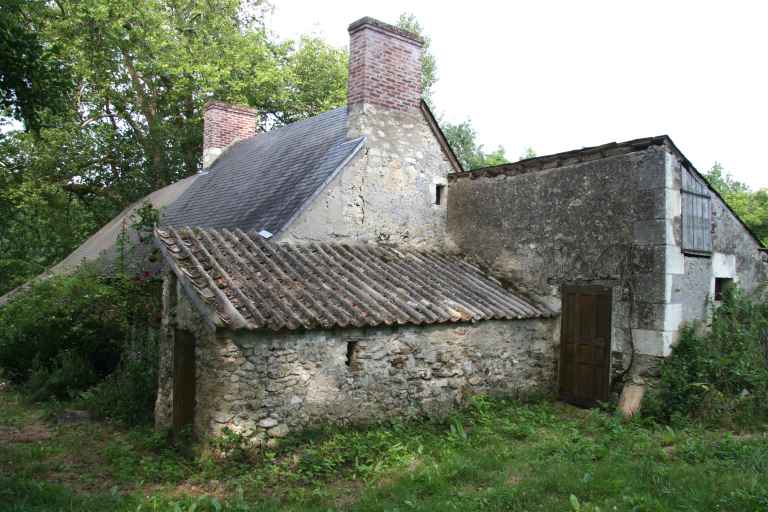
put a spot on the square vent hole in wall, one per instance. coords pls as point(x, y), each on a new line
point(353, 349)
point(722, 285)
point(439, 194)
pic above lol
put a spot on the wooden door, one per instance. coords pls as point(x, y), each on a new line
point(183, 379)
point(585, 345)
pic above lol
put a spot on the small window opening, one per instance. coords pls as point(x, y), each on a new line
point(722, 284)
point(351, 352)
point(439, 194)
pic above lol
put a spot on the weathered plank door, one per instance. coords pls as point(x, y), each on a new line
point(585, 345)
point(183, 379)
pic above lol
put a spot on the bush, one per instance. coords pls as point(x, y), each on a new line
point(719, 375)
point(85, 332)
point(63, 314)
point(128, 394)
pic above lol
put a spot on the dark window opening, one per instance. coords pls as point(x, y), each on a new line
point(722, 284)
point(351, 352)
point(439, 194)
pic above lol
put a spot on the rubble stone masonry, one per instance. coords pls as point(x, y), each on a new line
point(264, 384)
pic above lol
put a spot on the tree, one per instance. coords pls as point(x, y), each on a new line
point(751, 206)
point(409, 22)
point(35, 79)
point(112, 94)
point(528, 152)
point(462, 138)
point(315, 81)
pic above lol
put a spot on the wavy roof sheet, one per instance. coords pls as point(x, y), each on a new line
point(248, 283)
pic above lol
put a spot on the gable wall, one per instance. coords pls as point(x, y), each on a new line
point(735, 254)
point(601, 222)
point(386, 193)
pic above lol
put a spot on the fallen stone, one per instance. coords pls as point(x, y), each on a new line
point(73, 416)
point(268, 423)
point(279, 431)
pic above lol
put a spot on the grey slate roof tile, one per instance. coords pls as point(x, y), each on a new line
point(249, 283)
point(263, 182)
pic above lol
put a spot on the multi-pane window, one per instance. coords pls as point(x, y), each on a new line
point(697, 215)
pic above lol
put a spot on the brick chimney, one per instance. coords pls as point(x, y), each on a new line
point(225, 124)
point(384, 66)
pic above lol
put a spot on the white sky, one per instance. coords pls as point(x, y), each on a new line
point(561, 75)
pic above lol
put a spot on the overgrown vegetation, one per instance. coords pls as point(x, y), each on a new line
point(85, 337)
point(719, 374)
point(495, 455)
point(92, 336)
point(110, 97)
point(751, 205)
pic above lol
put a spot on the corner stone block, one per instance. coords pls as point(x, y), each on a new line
point(675, 261)
point(651, 232)
point(654, 172)
point(651, 204)
point(651, 288)
point(654, 343)
point(674, 203)
point(673, 171)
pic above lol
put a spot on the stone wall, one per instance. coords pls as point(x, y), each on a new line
point(179, 313)
point(599, 222)
point(611, 221)
point(735, 255)
point(266, 384)
point(386, 193)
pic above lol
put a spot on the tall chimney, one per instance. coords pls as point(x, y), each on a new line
point(384, 66)
point(225, 124)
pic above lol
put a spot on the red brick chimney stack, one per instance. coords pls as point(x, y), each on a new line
point(384, 66)
point(224, 124)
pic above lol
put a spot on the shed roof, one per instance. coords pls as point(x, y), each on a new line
point(248, 283)
point(264, 181)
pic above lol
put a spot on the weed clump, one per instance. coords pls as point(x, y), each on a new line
point(718, 375)
point(87, 338)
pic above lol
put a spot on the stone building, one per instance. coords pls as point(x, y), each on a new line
point(263, 337)
point(627, 241)
point(346, 268)
point(310, 274)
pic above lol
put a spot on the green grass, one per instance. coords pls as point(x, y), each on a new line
point(495, 455)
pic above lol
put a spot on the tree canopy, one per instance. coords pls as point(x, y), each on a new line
point(110, 96)
point(751, 206)
point(471, 155)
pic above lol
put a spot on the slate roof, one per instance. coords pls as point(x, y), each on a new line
point(244, 282)
point(264, 181)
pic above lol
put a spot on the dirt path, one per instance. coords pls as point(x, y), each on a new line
point(26, 434)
